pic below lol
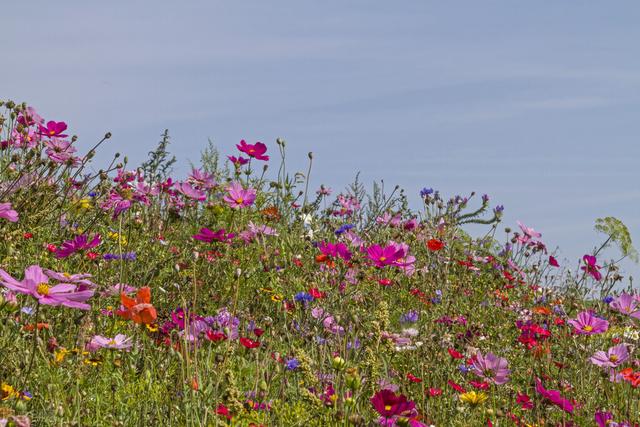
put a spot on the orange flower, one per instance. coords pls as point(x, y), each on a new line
point(545, 311)
point(140, 310)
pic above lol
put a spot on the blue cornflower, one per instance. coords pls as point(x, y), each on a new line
point(410, 317)
point(303, 297)
point(344, 228)
point(425, 192)
point(608, 299)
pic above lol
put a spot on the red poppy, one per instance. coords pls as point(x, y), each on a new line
point(455, 354)
point(479, 385)
point(316, 293)
point(249, 343)
point(413, 378)
point(457, 387)
point(216, 336)
point(224, 411)
point(434, 391)
point(435, 245)
point(258, 332)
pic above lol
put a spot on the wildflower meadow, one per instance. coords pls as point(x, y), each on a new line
point(241, 296)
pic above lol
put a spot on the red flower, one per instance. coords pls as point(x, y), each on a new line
point(455, 354)
point(413, 378)
point(258, 332)
point(524, 401)
point(553, 262)
point(385, 282)
point(435, 245)
point(52, 248)
point(224, 411)
point(216, 336)
point(434, 391)
point(456, 387)
point(479, 385)
point(249, 343)
point(27, 235)
point(316, 293)
point(388, 404)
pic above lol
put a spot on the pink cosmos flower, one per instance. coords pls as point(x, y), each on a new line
point(78, 243)
point(613, 358)
point(389, 404)
point(554, 397)
point(527, 233)
point(61, 151)
point(491, 368)
point(191, 192)
point(553, 262)
point(333, 251)
point(202, 179)
point(626, 304)
point(588, 324)
point(256, 150)
point(82, 280)
point(36, 284)
point(206, 235)
point(237, 197)
point(383, 256)
point(591, 267)
point(405, 262)
point(119, 342)
point(238, 161)
point(53, 129)
point(7, 213)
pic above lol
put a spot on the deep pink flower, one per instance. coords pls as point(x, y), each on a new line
point(78, 243)
point(7, 213)
point(389, 404)
point(333, 251)
point(381, 257)
point(53, 129)
point(588, 324)
point(191, 192)
point(237, 197)
point(613, 358)
point(554, 397)
point(591, 267)
point(626, 304)
point(491, 368)
point(256, 150)
point(238, 161)
point(119, 342)
point(553, 262)
point(36, 284)
point(206, 235)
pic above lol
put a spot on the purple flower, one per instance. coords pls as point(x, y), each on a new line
point(588, 324)
point(206, 235)
point(78, 243)
point(491, 368)
point(292, 364)
point(36, 284)
point(613, 358)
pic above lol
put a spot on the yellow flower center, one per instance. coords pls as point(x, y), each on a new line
point(43, 289)
point(112, 342)
point(587, 328)
point(67, 275)
point(387, 407)
point(383, 258)
point(239, 200)
point(613, 358)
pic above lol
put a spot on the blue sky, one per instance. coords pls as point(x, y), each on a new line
point(534, 103)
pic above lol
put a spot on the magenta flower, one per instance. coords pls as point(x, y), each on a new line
point(191, 192)
point(119, 342)
point(7, 213)
point(591, 267)
point(237, 197)
point(588, 324)
point(626, 304)
point(389, 404)
point(238, 161)
point(256, 150)
point(613, 358)
point(553, 262)
point(384, 256)
point(491, 368)
point(53, 129)
point(206, 235)
point(554, 397)
point(334, 250)
point(78, 243)
point(36, 284)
